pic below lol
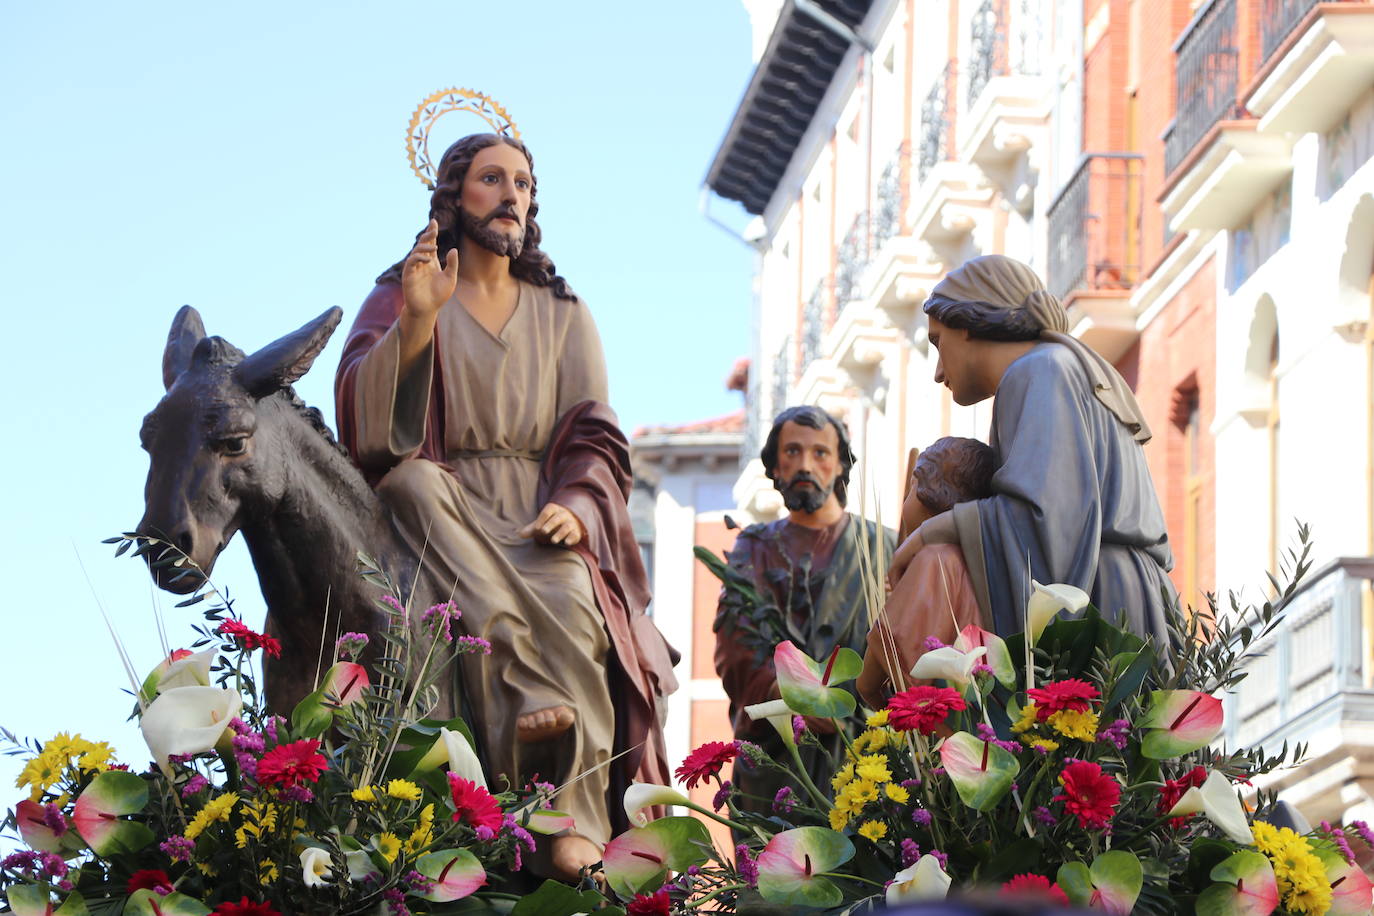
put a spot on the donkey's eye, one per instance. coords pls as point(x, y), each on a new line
point(233, 446)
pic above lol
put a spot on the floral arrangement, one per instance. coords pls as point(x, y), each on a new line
point(356, 803)
point(1073, 764)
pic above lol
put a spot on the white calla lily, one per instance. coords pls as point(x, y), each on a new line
point(462, 759)
point(191, 671)
point(778, 714)
point(1048, 600)
point(641, 795)
point(925, 880)
point(1217, 800)
point(949, 664)
point(315, 867)
point(188, 720)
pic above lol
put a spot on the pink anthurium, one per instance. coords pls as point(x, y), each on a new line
point(808, 687)
point(35, 828)
point(998, 657)
point(550, 822)
point(146, 902)
point(792, 867)
point(1179, 721)
point(96, 813)
point(1351, 891)
point(455, 874)
point(639, 859)
point(1247, 887)
point(1112, 883)
point(343, 686)
point(981, 771)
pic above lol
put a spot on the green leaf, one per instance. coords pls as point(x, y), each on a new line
point(554, 898)
point(1076, 881)
point(1010, 860)
point(1140, 665)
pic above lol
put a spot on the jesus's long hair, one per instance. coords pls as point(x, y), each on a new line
point(533, 265)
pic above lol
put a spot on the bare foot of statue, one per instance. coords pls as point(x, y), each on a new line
point(543, 724)
point(570, 854)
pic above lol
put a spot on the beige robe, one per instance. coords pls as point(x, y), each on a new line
point(503, 395)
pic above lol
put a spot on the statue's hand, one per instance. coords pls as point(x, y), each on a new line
point(903, 556)
point(555, 525)
point(424, 285)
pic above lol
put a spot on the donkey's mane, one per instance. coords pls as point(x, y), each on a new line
point(315, 418)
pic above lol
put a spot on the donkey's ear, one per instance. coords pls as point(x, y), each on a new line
point(279, 364)
point(187, 331)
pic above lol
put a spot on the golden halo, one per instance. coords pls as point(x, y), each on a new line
point(436, 106)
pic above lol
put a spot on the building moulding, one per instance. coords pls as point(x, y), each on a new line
point(1318, 73)
point(946, 208)
point(1226, 177)
point(1010, 118)
point(1104, 319)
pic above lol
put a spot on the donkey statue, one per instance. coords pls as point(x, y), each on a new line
point(232, 447)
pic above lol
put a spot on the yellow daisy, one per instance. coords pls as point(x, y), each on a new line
point(878, 719)
point(897, 793)
point(403, 789)
point(388, 845)
point(216, 809)
point(873, 830)
point(365, 794)
point(1028, 714)
point(1072, 724)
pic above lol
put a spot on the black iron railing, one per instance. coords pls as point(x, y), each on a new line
point(937, 122)
point(782, 377)
point(851, 260)
point(1278, 18)
point(891, 199)
point(1205, 79)
point(813, 325)
point(987, 47)
point(1094, 225)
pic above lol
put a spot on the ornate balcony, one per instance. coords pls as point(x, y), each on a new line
point(1318, 60)
point(987, 47)
point(782, 379)
point(891, 198)
point(937, 123)
point(1205, 80)
point(851, 260)
point(813, 326)
point(1309, 681)
point(1095, 250)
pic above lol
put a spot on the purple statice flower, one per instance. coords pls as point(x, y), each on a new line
point(180, 758)
point(911, 853)
point(932, 643)
point(248, 764)
point(178, 848)
point(484, 833)
point(20, 861)
point(418, 883)
point(937, 771)
point(249, 743)
point(1044, 816)
point(396, 901)
point(438, 620)
point(54, 820)
point(391, 602)
point(196, 783)
point(784, 801)
point(52, 865)
point(1363, 830)
point(351, 645)
point(988, 734)
point(239, 727)
point(750, 754)
point(1337, 836)
point(913, 783)
point(297, 794)
point(721, 797)
point(1115, 734)
point(521, 835)
point(693, 870)
point(746, 865)
point(920, 817)
point(798, 728)
point(270, 728)
point(982, 669)
point(941, 858)
point(471, 645)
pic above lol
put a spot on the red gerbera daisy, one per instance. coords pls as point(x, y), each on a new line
point(655, 904)
point(1173, 790)
point(705, 762)
point(244, 907)
point(1089, 794)
point(151, 879)
point(289, 765)
point(923, 708)
point(1035, 887)
point(473, 804)
point(248, 639)
point(1056, 696)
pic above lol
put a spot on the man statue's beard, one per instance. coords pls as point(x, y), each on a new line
point(805, 499)
point(478, 228)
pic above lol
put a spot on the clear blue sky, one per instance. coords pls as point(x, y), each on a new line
point(248, 159)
